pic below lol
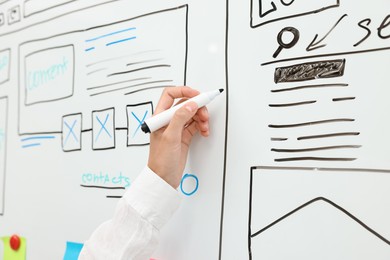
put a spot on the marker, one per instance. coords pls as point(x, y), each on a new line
point(160, 120)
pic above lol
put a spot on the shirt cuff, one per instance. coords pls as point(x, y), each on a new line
point(153, 198)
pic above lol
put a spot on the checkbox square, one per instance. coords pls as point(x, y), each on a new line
point(71, 132)
point(136, 115)
point(103, 129)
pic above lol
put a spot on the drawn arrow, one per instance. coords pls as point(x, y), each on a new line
point(313, 45)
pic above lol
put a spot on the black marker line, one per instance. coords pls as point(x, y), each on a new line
point(313, 123)
point(140, 62)
point(293, 104)
point(95, 71)
point(324, 169)
point(143, 68)
point(113, 197)
point(223, 184)
point(131, 86)
point(44, 10)
point(118, 82)
point(119, 57)
point(253, 26)
point(86, 130)
point(293, 159)
point(361, 223)
point(278, 139)
point(343, 99)
point(328, 135)
point(102, 187)
point(143, 89)
point(313, 45)
point(121, 129)
point(315, 149)
point(327, 55)
point(310, 86)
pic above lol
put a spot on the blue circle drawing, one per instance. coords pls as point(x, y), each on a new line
point(186, 176)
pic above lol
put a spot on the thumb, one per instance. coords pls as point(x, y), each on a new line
point(181, 117)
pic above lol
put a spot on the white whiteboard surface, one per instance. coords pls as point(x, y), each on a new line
point(297, 165)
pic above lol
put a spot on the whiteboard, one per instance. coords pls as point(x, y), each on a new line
point(297, 163)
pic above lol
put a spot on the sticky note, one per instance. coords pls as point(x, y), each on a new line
point(10, 254)
point(72, 250)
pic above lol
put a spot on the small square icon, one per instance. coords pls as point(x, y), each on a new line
point(136, 116)
point(14, 15)
point(71, 132)
point(103, 128)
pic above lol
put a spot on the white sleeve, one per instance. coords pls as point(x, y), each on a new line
point(133, 231)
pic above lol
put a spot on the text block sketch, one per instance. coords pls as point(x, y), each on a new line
point(49, 75)
point(268, 11)
point(71, 132)
point(5, 59)
point(314, 213)
point(3, 149)
point(103, 129)
point(136, 116)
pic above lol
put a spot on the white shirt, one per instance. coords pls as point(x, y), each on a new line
point(132, 233)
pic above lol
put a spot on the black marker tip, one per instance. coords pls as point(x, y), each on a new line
point(145, 128)
point(221, 90)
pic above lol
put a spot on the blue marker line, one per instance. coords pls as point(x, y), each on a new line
point(38, 138)
point(90, 49)
point(31, 145)
point(196, 187)
point(140, 122)
point(124, 40)
point(109, 34)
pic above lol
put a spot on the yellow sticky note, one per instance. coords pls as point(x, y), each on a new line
point(10, 254)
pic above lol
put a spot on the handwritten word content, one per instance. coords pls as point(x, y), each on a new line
point(49, 75)
point(37, 78)
point(105, 179)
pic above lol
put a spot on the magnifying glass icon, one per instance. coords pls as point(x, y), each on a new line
point(282, 44)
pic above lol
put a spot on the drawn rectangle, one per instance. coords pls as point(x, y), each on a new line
point(5, 62)
point(32, 7)
point(49, 75)
point(310, 71)
point(3, 149)
point(136, 115)
point(14, 15)
point(72, 126)
point(154, 60)
point(269, 11)
point(309, 210)
point(103, 129)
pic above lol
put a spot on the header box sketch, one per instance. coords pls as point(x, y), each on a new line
point(268, 11)
point(32, 7)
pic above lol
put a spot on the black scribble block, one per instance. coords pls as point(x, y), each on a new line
point(310, 71)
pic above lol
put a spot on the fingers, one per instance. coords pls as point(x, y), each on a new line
point(181, 118)
point(170, 94)
point(202, 121)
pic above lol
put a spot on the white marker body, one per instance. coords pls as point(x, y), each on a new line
point(162, 119)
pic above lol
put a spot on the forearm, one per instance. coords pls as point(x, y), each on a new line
point(133, 231)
